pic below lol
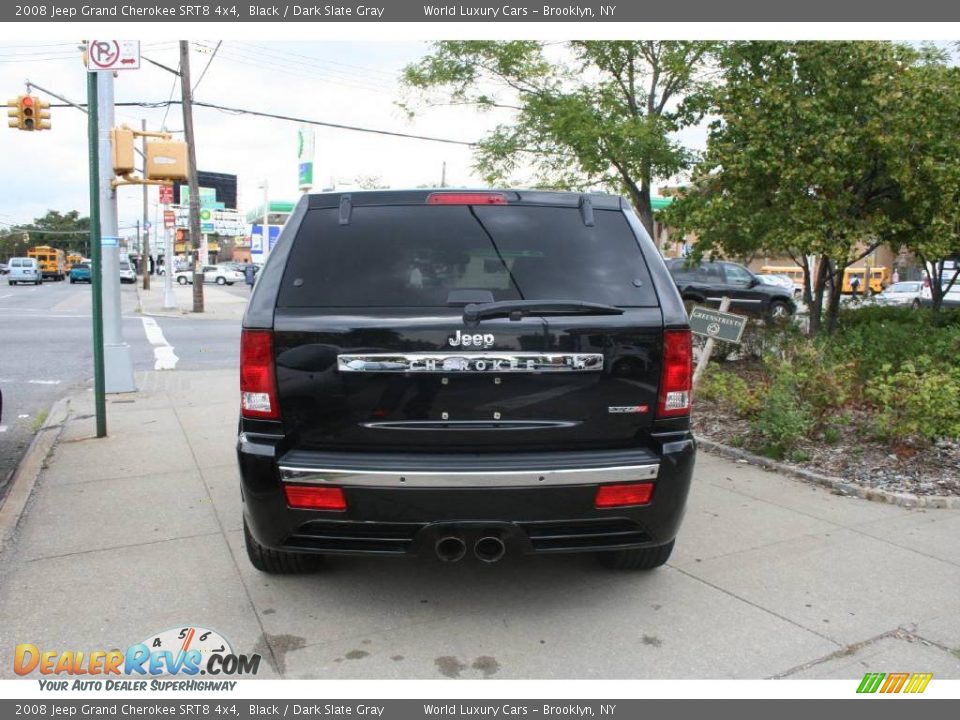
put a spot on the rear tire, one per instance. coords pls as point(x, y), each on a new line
point(278, 562)
point(221, 281)
point(181, 280)
point(638, 558)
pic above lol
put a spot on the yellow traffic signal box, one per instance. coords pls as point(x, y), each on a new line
point(166, 160)
point(121, 140)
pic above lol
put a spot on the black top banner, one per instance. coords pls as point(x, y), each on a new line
point(479, 11)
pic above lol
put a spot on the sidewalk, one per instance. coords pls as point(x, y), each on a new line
point(141, 531)
point(218, 303)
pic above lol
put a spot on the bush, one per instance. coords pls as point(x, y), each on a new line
point(784, 419)
point(893, 368)
point(916, 402)
point(728, 389)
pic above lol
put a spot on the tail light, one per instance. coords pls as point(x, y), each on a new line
point(467, 198)
point(677, 376)
point(315, 497)
point(258, 382)
point(609, 496)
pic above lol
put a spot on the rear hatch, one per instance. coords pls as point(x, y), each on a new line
point(385, 337)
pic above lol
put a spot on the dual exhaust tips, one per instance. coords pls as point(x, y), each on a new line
point(488, 549)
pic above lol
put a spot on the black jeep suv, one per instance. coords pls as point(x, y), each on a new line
point(706, 283)
point(464, 372)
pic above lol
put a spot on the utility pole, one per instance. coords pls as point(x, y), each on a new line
point(265, 231)
point(186, 95)
point(96, 278)
point(145, 246)
point(118, 361)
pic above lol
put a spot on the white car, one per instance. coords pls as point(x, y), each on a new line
point(219, 274)
point(901, 293)
point(127, 273)
point(783, 281)
point(951, 294)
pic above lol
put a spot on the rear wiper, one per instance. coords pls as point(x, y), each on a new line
point(516, 309)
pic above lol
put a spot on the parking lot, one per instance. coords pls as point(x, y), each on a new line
point(770, 577)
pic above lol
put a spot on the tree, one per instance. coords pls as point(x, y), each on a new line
point(69, 232)
point(370, 182)
point(925, 160)
point(798, 159)
point(596, 114)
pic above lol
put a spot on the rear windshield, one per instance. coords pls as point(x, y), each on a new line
point(414, 256)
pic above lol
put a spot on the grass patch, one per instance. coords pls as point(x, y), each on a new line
point(39, 420)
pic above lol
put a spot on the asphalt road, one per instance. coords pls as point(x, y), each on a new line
point(46, 352)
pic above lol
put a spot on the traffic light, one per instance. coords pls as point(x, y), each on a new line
point(166, 160)
point(121, 140)
point(13, 113)
point(43, 114)
point(27, 112)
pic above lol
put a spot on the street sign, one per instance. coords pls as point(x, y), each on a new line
point(169, 219)
point(717, 325)
point(113, 55)
point(166, 194)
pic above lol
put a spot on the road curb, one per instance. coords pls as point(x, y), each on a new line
point(28, 470)
point(838, 485)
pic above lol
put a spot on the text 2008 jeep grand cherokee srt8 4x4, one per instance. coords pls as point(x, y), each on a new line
point(454, 373)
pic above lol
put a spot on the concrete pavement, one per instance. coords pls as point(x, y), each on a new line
point(141, 531)
point(219, 302)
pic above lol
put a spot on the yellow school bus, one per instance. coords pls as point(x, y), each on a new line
point(53, 262)
point(73, 259)
point(879, 278)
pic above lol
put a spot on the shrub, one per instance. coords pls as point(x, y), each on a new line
point(784, 419)
point(916, 402)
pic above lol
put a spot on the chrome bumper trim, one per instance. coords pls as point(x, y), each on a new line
point(471, 362)
point(469, 479)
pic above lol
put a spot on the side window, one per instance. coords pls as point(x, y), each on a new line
point(737, 275)
point(709, 272)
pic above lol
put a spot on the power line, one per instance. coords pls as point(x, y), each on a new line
point(207, 66)
point(291, 118)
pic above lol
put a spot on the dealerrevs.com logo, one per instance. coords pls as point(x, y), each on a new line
point(185, 651)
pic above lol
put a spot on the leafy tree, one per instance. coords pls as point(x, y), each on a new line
point(370, 182)
point(925, 161)
point(587, 114)
point(798, 159)
point(69, 232)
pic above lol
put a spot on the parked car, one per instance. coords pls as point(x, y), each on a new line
point(24, 270)
point(240, 267)
point(706, 283)
point(433, 373)
point(951, 298)
point(782, 281)
point(901, 293)
point(219, 274)
point(127, 273)
point(80, 272)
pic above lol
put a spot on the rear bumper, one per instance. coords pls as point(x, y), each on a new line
point(465, 495)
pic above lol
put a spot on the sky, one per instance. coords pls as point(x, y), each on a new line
point(352, 83)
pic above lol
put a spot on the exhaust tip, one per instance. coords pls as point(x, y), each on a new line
point(451, 548)
point(489, 549)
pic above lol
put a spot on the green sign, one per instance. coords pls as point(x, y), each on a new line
point(208, 196)
point(717, 325)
